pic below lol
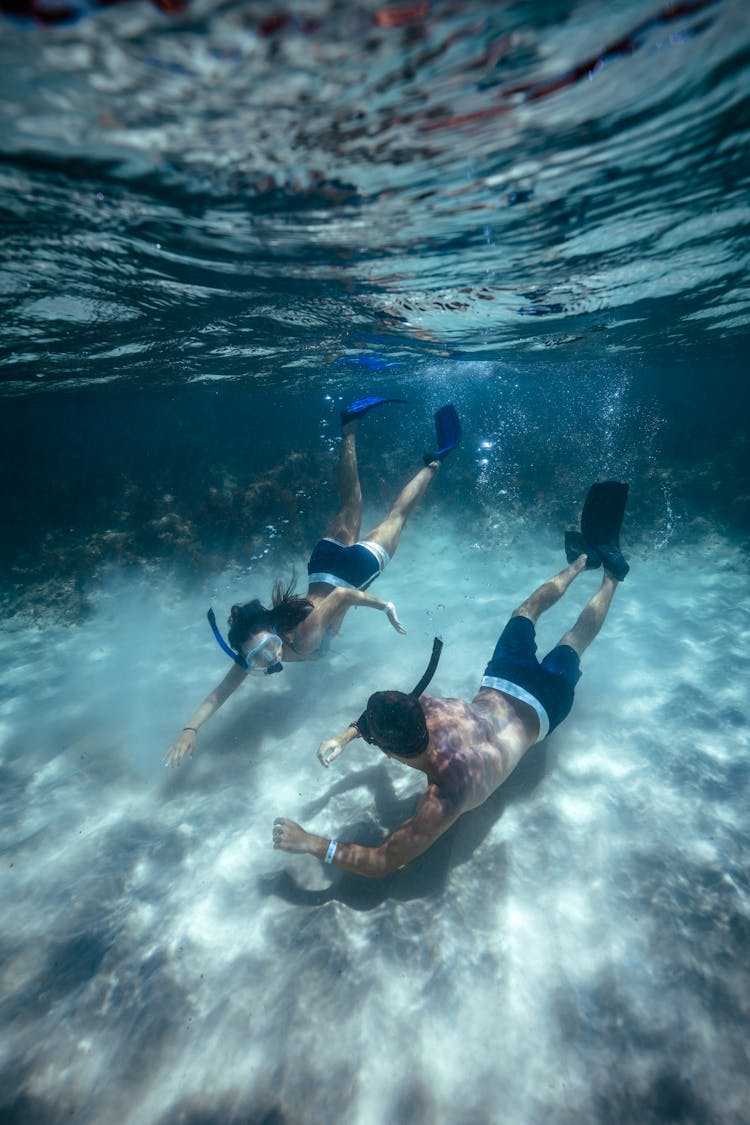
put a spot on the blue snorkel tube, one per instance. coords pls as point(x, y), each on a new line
point(235, 656)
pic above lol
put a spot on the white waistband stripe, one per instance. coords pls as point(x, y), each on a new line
point(331, 580)
point(379, 552)
point(516, 692)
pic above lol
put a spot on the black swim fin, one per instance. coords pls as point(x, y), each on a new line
point(448, 432)
point(362, 405)
point(576, 545)
point(601, 520)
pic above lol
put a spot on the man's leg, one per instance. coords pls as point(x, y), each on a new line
point(388, 531)
point(346, 523)
point(592, 617)
point(550, 592)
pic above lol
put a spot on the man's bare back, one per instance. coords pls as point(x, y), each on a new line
point(476, 746)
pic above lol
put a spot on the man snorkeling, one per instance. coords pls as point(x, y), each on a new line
point(340, 569)
point(467, 750)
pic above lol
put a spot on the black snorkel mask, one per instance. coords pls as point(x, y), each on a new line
point(237, 657)
point(363, 725)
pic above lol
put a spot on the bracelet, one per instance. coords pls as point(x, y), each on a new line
point(331, 851)
point(193, 729)
point(389, 607)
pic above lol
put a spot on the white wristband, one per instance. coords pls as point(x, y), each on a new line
point(389, 607)
point(331, 851)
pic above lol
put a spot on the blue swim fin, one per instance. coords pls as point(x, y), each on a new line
point(448, 431)
point(373, 362)
point(601, 521)
point(362, 405)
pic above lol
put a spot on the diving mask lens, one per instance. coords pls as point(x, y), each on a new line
point(264, 658)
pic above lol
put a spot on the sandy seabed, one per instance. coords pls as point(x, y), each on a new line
point(575, 950)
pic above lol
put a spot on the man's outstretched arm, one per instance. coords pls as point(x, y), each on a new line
point(434, 816)
point(330, 750)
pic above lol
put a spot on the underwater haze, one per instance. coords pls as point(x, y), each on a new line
point(222, 222)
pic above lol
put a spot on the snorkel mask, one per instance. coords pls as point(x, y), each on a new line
point(265, 657)
point(262, 660)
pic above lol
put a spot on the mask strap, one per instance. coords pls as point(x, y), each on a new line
point(223, 644)
point(429, 672)
point(259, 646)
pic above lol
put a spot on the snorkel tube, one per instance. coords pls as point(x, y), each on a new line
point(429, 672)
point(237, 657)
point(362, 724)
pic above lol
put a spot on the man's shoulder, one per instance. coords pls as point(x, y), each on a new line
point(447, 717)
point(441, 803)
point(446, 708)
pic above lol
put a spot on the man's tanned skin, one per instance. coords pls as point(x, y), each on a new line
point(472, 749)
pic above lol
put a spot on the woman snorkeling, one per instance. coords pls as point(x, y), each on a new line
point(340, 569)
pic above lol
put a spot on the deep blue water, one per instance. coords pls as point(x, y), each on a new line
point(217, 227)
point(261, 202)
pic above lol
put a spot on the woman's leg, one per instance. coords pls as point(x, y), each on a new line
point(388, 531)
point(346, 523)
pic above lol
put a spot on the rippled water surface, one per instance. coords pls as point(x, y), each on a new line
point(251, 189)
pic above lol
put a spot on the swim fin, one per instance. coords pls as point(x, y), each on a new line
point(601, 520)
point(373, 362)
point(448, 432)
point(362, 405)
point(575, 545)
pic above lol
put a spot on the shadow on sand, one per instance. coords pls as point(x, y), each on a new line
point(427, 875)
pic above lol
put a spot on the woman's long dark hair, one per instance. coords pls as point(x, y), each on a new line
point(288, 609)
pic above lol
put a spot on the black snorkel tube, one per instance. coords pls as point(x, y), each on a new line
point(429, 672)
point(362, 724)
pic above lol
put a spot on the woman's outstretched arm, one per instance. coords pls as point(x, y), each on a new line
point(184, 745)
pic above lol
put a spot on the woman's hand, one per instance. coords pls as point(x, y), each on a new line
point(182, 747)
point(290, 837)
point(390, 612)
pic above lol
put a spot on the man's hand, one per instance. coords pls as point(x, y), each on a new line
point(390, 612)
point(182, 747)
point(290, 837)
point(329, 751)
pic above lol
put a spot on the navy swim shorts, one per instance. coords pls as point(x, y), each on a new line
point(338, 565)
point(548, 686)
